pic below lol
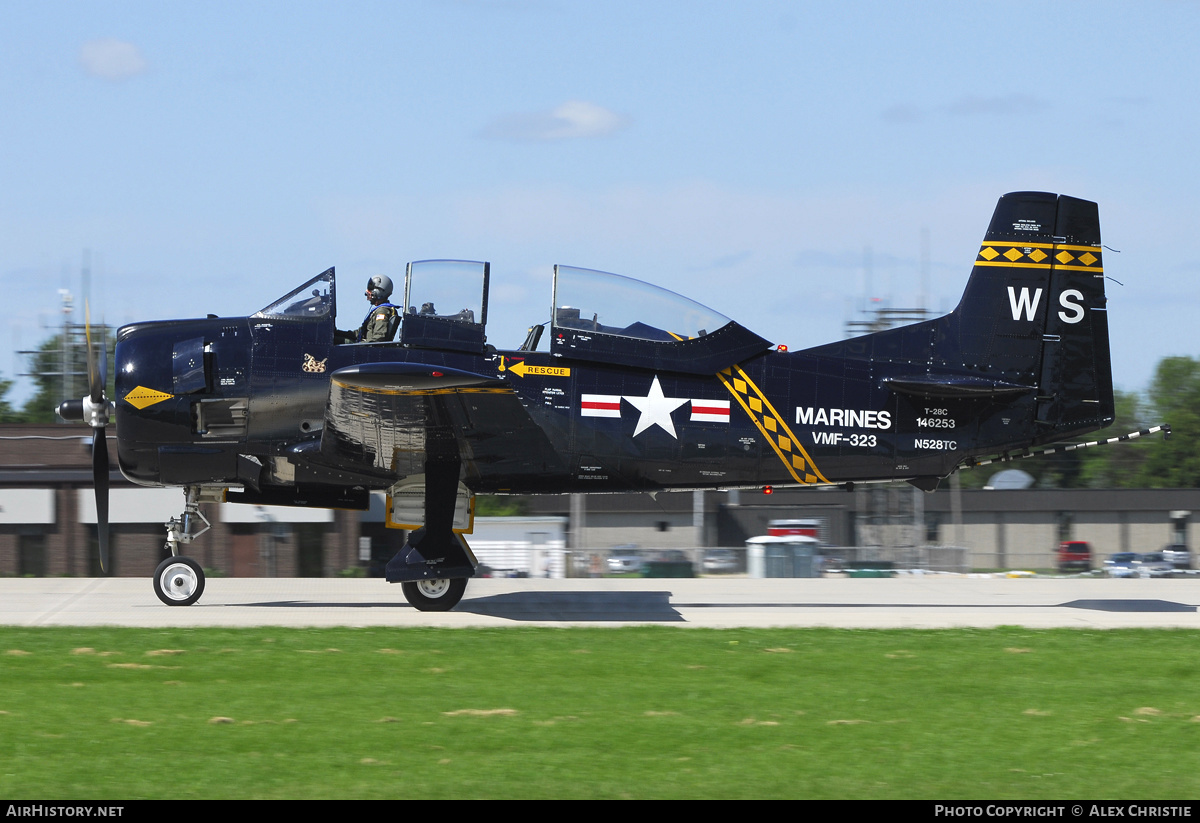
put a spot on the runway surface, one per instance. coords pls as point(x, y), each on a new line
point(901, 602)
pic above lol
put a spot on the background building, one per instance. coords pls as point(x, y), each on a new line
point(47, 522)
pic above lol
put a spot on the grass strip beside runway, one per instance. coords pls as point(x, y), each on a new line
point(606, 713)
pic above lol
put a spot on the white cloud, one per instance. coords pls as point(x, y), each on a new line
point(111, 59)
point(572, 119)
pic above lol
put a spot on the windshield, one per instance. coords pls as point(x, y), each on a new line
point(448, 289)
point(313, 299)
point(611, 304)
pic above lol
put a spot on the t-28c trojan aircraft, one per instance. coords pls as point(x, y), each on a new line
point(630, 388)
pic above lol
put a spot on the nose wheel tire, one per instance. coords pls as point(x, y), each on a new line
point(179, 581)
point(434, 595)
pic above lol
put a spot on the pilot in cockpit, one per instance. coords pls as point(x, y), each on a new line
point(383, 318)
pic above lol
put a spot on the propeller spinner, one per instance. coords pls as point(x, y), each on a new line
point(95, 409)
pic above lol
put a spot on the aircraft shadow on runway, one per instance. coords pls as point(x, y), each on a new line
point(642, 607)
point(1130, 605)
point(656, 607)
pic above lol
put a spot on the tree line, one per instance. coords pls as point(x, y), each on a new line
point(47, 365)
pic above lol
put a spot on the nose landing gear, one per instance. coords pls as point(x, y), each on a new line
point(179, 580)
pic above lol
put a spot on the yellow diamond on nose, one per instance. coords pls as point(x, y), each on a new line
point(141, 397)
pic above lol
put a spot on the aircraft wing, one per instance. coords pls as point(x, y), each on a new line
point(390, 418)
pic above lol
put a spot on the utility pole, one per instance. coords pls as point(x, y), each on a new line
point(68, 308)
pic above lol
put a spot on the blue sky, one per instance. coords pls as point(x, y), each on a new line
point(752, 155)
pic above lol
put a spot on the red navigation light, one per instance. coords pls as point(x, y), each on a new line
point(435, 374)
point(768, 490)
point(781, 347)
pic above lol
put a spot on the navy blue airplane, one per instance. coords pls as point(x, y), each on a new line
point(630, 388)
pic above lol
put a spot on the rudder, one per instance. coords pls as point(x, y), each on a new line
point(1035, 309)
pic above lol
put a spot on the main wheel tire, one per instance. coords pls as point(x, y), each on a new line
point(434, 595)
point(179, 581)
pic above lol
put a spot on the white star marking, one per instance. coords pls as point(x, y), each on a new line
point(656, 409)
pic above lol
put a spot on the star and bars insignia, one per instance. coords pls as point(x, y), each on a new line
point(655, 408)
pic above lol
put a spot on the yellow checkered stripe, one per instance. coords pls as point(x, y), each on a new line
point(771, 425)
point(1041, 256)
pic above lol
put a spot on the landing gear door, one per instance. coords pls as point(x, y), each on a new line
point(406, 506)
point(445, 305)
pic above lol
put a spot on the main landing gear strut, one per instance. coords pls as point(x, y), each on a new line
point(178, 580)
point(433, 566)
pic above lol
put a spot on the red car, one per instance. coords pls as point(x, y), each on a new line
point(1074, 555)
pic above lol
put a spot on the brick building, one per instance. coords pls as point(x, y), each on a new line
point(47, 520)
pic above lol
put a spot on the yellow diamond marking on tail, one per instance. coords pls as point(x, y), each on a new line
point(1037, 255)
point(1088, 259)
point(771, 426)
point(989, 253)
point(141, 397)
point(1012, 255)
point(1064, 257)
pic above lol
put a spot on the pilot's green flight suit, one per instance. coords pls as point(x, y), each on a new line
point(376, 325)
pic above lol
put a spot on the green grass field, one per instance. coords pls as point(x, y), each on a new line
point(658, 712)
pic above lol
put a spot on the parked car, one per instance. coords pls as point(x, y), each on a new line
point(1155, 564)
point(1177, 554)
point(721, 561)
point(625, 560)
point(1074, 555)
point(1122, 564)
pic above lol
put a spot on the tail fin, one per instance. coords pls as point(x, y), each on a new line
point(1034, 310)
point(1031, 330)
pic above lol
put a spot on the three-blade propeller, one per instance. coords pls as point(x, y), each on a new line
point(94, 409)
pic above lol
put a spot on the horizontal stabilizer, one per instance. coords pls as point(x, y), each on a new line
point(960, 386)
